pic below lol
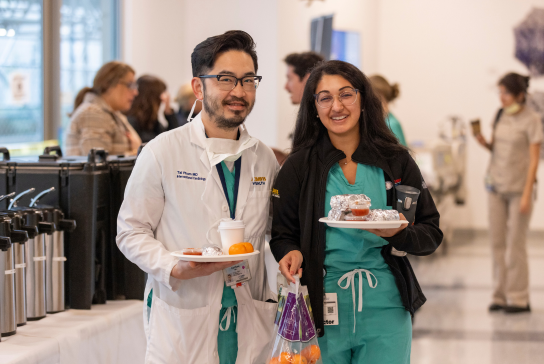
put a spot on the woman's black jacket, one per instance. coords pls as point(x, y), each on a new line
point(147, 134)
point(299, 202)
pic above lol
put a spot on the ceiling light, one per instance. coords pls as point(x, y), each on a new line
point(3, 32)
point(11, 32)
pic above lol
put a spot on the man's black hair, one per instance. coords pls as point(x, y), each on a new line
point(303, 62)
point(205, 53)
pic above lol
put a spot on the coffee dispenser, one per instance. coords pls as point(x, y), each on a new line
point(54, 252)
point(8, 322)
point(35, 258)
point(18, 223)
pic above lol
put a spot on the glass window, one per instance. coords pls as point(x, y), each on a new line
point(21, 71)
point(89, 38)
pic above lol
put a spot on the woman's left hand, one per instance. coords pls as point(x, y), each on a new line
point(525, 204)
point(387, 233)
point(165, 98)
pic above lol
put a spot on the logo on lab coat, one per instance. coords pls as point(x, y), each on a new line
point(258, 181)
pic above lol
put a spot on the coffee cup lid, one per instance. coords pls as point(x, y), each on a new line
point(226, 224)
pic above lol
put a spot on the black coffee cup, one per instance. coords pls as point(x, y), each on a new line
point(407, 201)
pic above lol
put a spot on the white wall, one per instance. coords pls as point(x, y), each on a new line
point(160, 37)
point(447, 57)
point(152, 37)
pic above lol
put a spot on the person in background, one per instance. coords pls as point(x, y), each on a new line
point(299, 66)
point(144, 113)
point(511, 176)
point(185, 99)
point(387, 94)
point(97, 120)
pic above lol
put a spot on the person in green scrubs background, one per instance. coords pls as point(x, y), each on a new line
point(387, 93)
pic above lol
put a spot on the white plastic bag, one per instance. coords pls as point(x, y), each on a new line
point(295, 339)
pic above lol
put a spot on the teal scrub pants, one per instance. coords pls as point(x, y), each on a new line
point(383, 330)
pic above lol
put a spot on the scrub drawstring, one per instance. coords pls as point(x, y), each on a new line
point(350, 281)
point(226, 317)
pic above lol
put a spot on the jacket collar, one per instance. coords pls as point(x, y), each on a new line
point(93, 98)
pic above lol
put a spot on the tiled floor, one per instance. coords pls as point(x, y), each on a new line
point(454, 325)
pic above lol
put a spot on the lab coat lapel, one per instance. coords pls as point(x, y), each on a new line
point(249, 159)
point(198, 137)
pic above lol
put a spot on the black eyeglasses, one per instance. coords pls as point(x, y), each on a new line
point(228, 82)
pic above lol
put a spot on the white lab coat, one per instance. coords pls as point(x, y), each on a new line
point(165, 210)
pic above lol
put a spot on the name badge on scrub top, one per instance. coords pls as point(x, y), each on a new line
point(237, 274)
point(330, 309)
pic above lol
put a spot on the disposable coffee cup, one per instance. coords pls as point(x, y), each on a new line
point(475, 124)
point(232, 232)
point(407, 201)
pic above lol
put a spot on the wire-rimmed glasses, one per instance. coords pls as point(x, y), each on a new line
point(347, 97)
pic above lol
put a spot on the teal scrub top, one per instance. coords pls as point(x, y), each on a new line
point(229, 298)
point(396, 128)
point(349, 249)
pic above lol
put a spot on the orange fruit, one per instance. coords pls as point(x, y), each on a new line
point(312, 353)
point(299, 359)
point(240, 248)
point(274, 361)
point(286, 358)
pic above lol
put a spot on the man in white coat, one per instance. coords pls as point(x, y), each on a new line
point(184, 183)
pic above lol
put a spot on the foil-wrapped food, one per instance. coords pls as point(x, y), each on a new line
point(383, 215)
point(374, 215)
point(212, 250)
point(342, 202)
point(340, 205)
point(341, 211)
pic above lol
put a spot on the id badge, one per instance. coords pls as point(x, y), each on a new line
point(237, 274)
point(330, 309)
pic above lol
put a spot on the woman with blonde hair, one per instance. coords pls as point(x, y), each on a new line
point(97, 120)
point(387, 93)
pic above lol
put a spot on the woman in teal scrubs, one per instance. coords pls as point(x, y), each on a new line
point(342, 145)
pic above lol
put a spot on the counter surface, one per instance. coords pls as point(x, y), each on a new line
point(110, 333)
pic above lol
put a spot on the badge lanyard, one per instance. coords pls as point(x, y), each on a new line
point(237, 168)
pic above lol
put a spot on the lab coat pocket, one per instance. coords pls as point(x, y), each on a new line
point(177, 335)
point(263, 326)
point(257, 212)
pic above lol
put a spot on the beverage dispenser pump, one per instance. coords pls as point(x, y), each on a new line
point(35, 258)
point(54, 248)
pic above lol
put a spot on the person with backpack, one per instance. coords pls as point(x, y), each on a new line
point(511, 181)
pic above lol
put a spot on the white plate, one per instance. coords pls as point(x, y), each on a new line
point(365, 225)
point(212, 259)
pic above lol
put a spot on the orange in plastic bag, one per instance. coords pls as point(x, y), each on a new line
point(295, 336)
point(312, 353)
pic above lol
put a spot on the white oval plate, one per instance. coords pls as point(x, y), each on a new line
point(212, 259)
point(365, 225)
